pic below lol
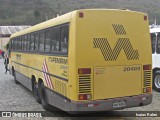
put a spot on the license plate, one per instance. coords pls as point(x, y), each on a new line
point(119, 104)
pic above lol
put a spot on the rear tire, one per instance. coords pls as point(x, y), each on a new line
point(36, 92)
point(43, 97)
point(156, 81)
point(15, 79)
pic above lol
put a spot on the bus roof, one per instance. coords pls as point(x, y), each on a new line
point(60, 20)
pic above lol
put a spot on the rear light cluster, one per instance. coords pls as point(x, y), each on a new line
point(84, 71)
point(84, 83)
point(146, 67)
point(147, 78)
point(85, 96)
point(81, 15)
point(145, 17)
point(147, 90)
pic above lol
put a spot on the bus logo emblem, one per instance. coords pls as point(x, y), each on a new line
point(124, 44)
point(110, 54)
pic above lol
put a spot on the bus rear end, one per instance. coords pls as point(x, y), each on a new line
point(113, 60)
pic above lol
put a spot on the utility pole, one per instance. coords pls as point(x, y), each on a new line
point(155, 21)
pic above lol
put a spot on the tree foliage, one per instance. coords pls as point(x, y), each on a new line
point(30, 12)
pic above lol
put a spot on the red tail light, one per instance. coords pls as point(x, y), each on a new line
point(84, 71)
point(146, 67)
point(146, 90)
point(81, 15)
point(85, 96)
point(145, 17)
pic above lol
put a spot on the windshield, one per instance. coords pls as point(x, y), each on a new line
point(158, 44)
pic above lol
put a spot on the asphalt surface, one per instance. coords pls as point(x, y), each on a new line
point(15, 97)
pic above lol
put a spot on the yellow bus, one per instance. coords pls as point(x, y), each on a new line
point(86, 60)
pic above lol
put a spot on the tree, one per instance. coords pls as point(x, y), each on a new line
point(36, 13)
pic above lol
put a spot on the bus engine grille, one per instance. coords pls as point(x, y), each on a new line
point(85, 84)
point(60, 87)
point(147, 79)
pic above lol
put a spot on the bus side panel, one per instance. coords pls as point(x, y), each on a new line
point(58, 100)
point(24, 80)
point(19, 61)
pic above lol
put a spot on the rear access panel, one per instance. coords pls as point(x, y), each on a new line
point(117, 81)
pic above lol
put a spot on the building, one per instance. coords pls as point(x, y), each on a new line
point(5, 33)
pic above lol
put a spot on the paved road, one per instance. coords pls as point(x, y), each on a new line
point(17, 98)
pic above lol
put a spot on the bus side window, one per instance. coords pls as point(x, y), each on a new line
point(47, 41)
point(28, 43)
point(31, 46)
point(25, 42)
point(18, 44)
point(36, 41)
point(20, 41)
point(41, 41)
point(64, 38)
point(158, 44)
point(13, 44)
point(55, 39)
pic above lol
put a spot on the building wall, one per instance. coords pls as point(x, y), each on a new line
point(3, 42)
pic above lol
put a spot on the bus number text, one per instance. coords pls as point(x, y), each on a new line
point(127, 69)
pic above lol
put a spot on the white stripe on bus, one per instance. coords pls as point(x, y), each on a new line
point(49, 79)
point(44, 75)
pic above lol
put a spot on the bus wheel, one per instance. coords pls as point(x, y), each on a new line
point(15, 79)
point(43, 97)
point(156, 82)
point(36, 92)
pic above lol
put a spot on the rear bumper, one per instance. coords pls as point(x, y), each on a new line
point(107, 105)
